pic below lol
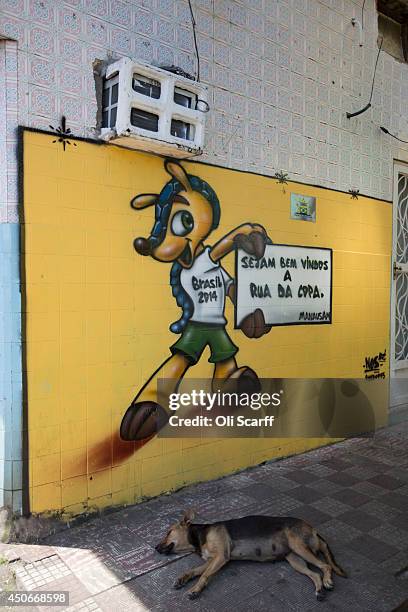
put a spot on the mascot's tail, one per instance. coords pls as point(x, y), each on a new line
point(182, 298)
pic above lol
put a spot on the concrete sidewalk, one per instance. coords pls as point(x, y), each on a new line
point(354, 492)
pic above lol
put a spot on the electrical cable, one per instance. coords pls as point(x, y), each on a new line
point(383, 129)
point(194, 24)
point(362, 15)
point(367, 106)
point(375, 69)
point(205, 107)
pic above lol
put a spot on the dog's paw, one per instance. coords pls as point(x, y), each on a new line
point(320, 595)
point(179, 583)
point(193, 595)
point(328, 584)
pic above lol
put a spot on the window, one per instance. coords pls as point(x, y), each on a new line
point(110, 95)
point(144, 120)
point(182, 129)
point(185, 98)
point(145, 86)
point(393, 28)
point(148, 108)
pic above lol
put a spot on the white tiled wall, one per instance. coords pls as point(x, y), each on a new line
point(282, 74)
point(8, 131)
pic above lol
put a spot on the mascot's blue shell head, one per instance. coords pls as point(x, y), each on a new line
point(165, 201)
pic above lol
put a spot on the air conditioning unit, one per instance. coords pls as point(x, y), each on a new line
point(144, 107)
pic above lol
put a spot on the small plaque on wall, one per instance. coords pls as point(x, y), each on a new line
point(302, 208)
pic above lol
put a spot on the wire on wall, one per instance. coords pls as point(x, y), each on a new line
point(367, 106)
point(194, 24)
point(383, 129)
point(362, 15)
point(375, 68)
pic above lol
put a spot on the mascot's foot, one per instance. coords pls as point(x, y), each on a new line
point(142, 420)
point(243, 380)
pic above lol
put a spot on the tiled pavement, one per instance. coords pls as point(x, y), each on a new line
point(355, 492)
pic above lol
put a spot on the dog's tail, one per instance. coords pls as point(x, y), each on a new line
point(328, 555)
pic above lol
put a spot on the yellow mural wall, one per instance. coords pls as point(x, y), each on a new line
point(98, 314)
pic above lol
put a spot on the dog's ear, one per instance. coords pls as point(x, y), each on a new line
point(144, 200)
point(188, 517)
point(178, 172)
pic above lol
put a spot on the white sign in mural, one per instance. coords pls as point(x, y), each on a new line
point(292, 285)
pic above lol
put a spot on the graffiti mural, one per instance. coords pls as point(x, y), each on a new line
point(375, 366)
point(187, 210)
point(94, 334)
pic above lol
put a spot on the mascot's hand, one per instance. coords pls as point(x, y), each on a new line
point(254, 242)
point(254, 325)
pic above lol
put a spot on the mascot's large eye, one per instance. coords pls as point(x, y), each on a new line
point(182, 223)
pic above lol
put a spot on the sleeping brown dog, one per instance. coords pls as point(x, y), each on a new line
point(251, 538)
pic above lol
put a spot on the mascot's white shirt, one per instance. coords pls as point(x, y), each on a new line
point(206, 283)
